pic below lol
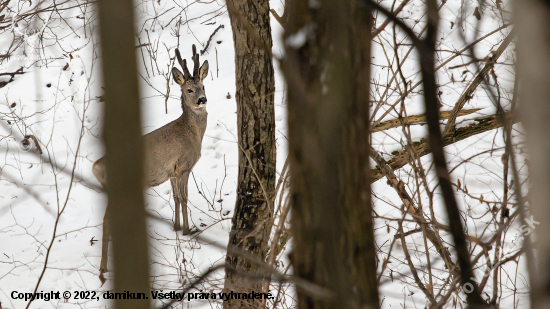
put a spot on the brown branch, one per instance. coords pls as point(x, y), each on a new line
point(422, 147)
point(12, 76)
point(274, 251)
point(399, 187)
point(19, 71)
point(456, 54)
point(277, 17)
point(61, 210)
point(210, 39)
point(387, 21)
point(468, 94)
point(427, 67)
point(419, 283)
point(417, 119)
point(426, 49)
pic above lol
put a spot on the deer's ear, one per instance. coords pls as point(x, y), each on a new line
point(203, 70)
point(178, 76)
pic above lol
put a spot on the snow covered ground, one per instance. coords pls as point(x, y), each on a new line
point(61, 106)
point(33, 191)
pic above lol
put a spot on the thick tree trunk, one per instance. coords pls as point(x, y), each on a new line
point(123, 145)
point(255, 83)
point(533, 45)
point(327, 72)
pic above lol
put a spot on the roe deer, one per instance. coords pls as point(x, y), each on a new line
point(172, 150)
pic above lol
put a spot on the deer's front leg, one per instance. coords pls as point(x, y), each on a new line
point(177, 201)
point(183, 200)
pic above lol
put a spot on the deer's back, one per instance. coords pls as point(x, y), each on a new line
point(169, 151)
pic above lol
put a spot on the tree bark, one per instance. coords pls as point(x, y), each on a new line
point(533, 45)
point(327, 72)
point(255, 83)
point(123, 144)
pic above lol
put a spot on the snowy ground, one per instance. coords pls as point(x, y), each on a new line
point(27, 222)
point(33, 191)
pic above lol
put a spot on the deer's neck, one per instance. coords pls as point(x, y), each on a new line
point(195, 119)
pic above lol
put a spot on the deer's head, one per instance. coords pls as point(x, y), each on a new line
point(192, 89)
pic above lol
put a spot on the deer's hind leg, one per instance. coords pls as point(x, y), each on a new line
point(182, 184)
point(177, 202)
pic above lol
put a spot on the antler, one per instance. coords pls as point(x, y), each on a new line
point(196, 61)
point(183, 64)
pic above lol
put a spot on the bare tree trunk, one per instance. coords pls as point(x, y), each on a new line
point(327, 72)
point(123, 143)
point(533, 44)
point(255, 83)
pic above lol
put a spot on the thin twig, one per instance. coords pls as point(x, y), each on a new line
point(210, 39)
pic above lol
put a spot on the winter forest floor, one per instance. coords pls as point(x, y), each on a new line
point(52, 207)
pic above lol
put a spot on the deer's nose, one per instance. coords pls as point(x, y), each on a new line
point(202, 100)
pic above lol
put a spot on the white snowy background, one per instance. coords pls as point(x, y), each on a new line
point(51, 100)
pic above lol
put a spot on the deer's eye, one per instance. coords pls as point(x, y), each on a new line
point(189, 91)
point(202, 87)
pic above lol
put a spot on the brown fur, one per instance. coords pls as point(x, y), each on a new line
point(172, 150)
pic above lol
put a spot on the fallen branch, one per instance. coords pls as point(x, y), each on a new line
point(403, 157)
point(12, 76)
point(468, 94)
point(417, 119)
point(210, 39)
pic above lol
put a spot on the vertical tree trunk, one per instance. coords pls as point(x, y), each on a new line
point(123, 144)
point(255, 83)
point(327, 72)
point(533, 44)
